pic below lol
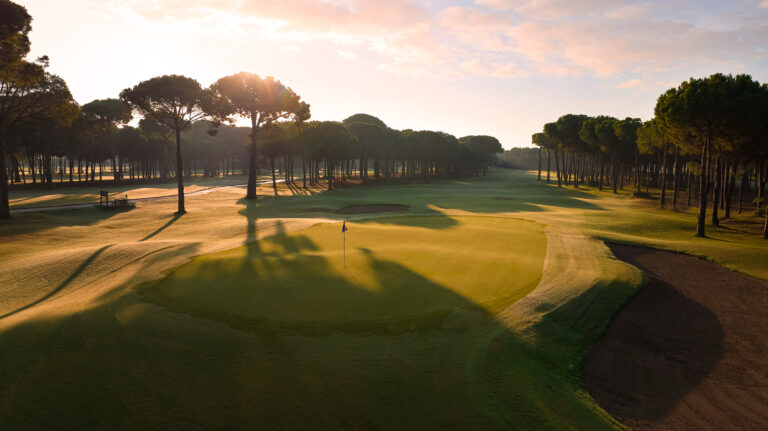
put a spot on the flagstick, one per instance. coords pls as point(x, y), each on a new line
point(345, 249)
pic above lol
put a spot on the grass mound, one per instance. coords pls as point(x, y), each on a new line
point(397, 274)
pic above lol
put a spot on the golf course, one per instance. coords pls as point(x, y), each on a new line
point(362, 215)
point(458, 304)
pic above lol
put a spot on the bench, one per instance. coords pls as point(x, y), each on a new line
point(105, 203)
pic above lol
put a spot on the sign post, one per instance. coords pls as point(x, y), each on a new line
point(344, 234)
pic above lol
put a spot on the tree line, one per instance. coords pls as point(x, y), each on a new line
point(708, 134)
point(44, 132)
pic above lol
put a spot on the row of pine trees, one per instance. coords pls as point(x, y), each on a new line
point(708, 135)
point(45, 135)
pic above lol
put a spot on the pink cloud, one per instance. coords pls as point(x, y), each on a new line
point(481, 30)
point(631, 83)
point(552, 37)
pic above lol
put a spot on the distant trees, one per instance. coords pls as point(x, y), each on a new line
point(331, 142)
point(43, 131)
point(107, 115)
point(174, 101)
point(484, 147)
point(713, 128)
point(374, 137)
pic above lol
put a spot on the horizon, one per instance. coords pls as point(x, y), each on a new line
point(495, 67)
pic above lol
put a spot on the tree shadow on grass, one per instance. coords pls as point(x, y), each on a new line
point(507, 192)
point(30, 222)
point(339, 362)
point(430, 219)
point(163, 227)
point(278, 286)
point(61, 285)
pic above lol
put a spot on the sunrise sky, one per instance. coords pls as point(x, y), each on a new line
point(498, 67)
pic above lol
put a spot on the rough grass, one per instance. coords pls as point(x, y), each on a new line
point(81, 348)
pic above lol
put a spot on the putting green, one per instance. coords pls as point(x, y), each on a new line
point(397, 268)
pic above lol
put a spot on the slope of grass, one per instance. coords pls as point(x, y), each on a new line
point(81, 348)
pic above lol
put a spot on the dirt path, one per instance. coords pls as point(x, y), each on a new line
point(690, 351)
point(153, 198)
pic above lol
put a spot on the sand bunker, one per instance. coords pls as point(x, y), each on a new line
point(372, 209)
point(688, 352)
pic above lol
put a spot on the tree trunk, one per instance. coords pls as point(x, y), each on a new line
point(575, 165)
point(730, 183)
point(179, 174)
point(48, 172)
point(675, 179)
point(602, 172)
point(716, 191)
point(5, 208)
point(252, 161)
point(32, 170)
point(539, 177)
point(548, 160)
point(663, 176)
point(115, 176)
point(741, 188)
point(690, 189)
point(765, 226)
point(760, 186)
point(272, 171)
point(703, 190)
point(557, 167)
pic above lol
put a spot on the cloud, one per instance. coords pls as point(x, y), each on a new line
point(482, 30)
point(631, 83)
point(494, 38)
point(346, 55)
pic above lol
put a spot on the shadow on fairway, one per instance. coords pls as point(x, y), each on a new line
point(459, 366)
point(335, 364)
point(163, 227)
point(505, 192)
point(30, 222)
point(279, 286)
point(63, 284)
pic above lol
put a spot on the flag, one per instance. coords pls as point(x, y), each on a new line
point(344, 227)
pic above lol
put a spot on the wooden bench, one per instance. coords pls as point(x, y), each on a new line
point(105, 203)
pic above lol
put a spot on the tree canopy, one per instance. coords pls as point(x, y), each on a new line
point(175, 102)
point(263, 100)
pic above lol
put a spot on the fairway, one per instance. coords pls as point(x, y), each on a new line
point(473, 309)
point(396, 268)
point(371, 216)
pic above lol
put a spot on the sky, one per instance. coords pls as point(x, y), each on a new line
point(469, 67)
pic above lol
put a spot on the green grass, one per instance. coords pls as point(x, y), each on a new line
point(238, 316)
point(396, 270)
